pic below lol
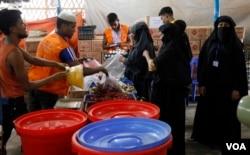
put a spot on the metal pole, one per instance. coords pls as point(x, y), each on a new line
point(58, 7)
point(216, 9)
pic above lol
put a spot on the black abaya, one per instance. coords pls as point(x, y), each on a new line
point(215, 119)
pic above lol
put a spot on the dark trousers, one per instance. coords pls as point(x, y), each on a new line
point(11, 110)
point(39, 100)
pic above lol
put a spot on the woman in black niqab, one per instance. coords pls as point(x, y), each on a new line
point(222, 81)
point(136, 65)
point(170, 82)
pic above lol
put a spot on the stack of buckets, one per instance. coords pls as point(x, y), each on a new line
point(49, 132)
point(124, 127)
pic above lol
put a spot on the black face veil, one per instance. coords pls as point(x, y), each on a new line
point(224, 34)
point(227, 19)
point(169, 31)
point(142, 36)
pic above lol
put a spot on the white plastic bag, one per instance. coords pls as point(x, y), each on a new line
point(114, 67)
point(110, 83)
point(92, 80)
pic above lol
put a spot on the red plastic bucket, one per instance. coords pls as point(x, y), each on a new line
point(49, 132)
point(82, 150)
point(122, 108)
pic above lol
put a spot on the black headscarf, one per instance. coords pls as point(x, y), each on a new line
point(169, 31)
point(227, 19)
point(172, 31)
point(228, 32)
point(174, 35)
point(181, 24)
point(182, 27)
point(173, 56)
point(138, 26)
point(143, 41)
point(142, 38)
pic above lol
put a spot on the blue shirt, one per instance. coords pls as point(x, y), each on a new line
point(67, 55)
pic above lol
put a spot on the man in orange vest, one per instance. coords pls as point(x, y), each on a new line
point(116, 36)
point(55, 47)
point(13, 76)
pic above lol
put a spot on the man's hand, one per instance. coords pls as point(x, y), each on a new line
point(61, 66)
point(112, 44)
point(122, 58)
point(81, 59)
point(104, 70)
point(202, 90)
point(151, 65)
point(145, 53)
point(59, 75)
point(235, 95)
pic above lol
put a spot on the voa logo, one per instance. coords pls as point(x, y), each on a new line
point(236, 146)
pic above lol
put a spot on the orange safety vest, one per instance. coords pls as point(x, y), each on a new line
point(124, 36)
point(9, 85)
point(49, 48)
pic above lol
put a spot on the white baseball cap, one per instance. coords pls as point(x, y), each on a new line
point(67, 16)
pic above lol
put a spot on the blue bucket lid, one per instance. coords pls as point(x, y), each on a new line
point(124, 134)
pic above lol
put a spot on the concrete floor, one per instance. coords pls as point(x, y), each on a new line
point(195, 148)
point(192, 148)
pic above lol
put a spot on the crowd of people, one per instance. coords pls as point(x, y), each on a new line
point(160, 76)
point(46, 81)
point(163, 77)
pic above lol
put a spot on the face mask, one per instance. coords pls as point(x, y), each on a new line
point(224, 34)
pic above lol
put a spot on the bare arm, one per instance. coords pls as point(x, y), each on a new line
point(80, 60)
point(129, 42)
point(41, 62)
point(90, 70)
point(146, 55)
point(202, 90)
point(15, 63)
point(105, 45)
point(151, 65)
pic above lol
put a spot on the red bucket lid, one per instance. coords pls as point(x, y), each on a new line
point(50, 121)
point(122, 108)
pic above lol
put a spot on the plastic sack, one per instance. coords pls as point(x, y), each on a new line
point(75, 75)
point(92, 80)
point(114, 67)
point(110, 83)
